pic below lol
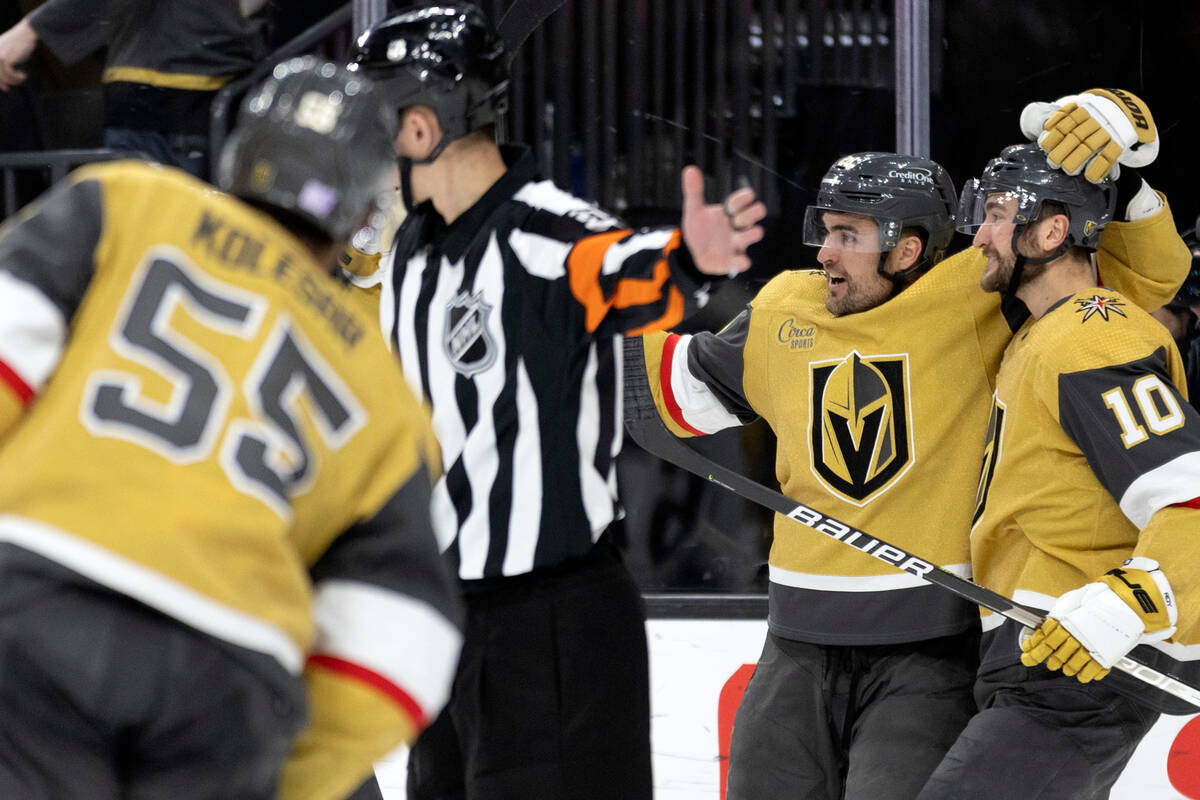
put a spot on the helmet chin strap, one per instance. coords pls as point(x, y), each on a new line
point(406, 194)
point(1014, 280)
point(437, 151)
point(902, 278)
point(406, 164)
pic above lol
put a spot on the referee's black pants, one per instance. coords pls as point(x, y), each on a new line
point(552, 696)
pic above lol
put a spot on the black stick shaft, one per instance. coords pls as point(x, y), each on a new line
point(522, 18)
point(644, 425)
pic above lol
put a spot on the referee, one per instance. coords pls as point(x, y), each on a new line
point(506, 300)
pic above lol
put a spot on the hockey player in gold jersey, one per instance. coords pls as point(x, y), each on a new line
point(215, 543)
point(875, 375)
point(1088, 505)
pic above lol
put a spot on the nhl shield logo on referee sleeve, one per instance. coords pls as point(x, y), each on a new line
point(468, 342)
point(859, 424)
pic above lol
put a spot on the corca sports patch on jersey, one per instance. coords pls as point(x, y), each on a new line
point(861, 442)
point(1099, 306)
point(468, 342)
point(796, 335)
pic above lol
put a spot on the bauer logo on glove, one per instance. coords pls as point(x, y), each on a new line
point(1143, 598)
point(1091, 628)
point(1141, 119)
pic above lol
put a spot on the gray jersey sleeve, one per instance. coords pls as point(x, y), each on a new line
point(717, 360)
point(51, 244)
point(71, 28)
point(1135, 428)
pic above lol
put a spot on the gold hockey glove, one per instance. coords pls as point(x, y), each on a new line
point(1092, 132)
point(1091, 628)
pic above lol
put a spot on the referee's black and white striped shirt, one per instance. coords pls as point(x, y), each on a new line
point(509, 322)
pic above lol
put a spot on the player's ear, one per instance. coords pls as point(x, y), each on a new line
point(1053, 231)
point(419, 132)
point(908, 252)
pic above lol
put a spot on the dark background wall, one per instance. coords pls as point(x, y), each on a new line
point(616, 96)
point(988, 59)
point(998, 56)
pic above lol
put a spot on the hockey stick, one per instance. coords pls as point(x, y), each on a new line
point(647, 429)
point(522, 18)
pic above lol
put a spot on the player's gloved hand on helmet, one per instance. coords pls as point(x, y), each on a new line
point(1091, 628)
point(1093, 132)
point(718, 234)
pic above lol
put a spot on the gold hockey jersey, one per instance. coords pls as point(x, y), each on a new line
point(879, 417)
point(1093, 457)
point(211, 425)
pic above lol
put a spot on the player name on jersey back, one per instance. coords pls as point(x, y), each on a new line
point(237, 248)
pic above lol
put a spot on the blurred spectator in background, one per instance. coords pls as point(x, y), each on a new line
point(19, 104)
point(165, 61)
point(1182, 317)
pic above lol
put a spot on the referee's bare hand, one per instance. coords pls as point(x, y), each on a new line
point(718, 234)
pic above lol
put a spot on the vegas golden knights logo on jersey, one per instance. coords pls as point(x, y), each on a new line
point(991, 455)
point(860, 414)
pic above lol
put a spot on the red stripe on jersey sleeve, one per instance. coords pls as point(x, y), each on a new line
point(1193, 503)
point(23, 391)
point(664, 379)
point(375, 681)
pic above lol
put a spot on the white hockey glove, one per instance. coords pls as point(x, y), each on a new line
point(1091, 628)
point(1093, 132)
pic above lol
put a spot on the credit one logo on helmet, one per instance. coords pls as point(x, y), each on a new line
point(912, 175)
point(859, 421)
point(468, 342)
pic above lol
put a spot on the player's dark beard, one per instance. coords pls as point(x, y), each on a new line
point(998, 279)
point(860, 296)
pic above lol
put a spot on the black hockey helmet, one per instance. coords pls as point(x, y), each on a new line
point(1022, 172)
point(446, 56)
point(314, 140)
point(897, 191)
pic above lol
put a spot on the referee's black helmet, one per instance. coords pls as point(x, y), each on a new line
point(446, 56)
